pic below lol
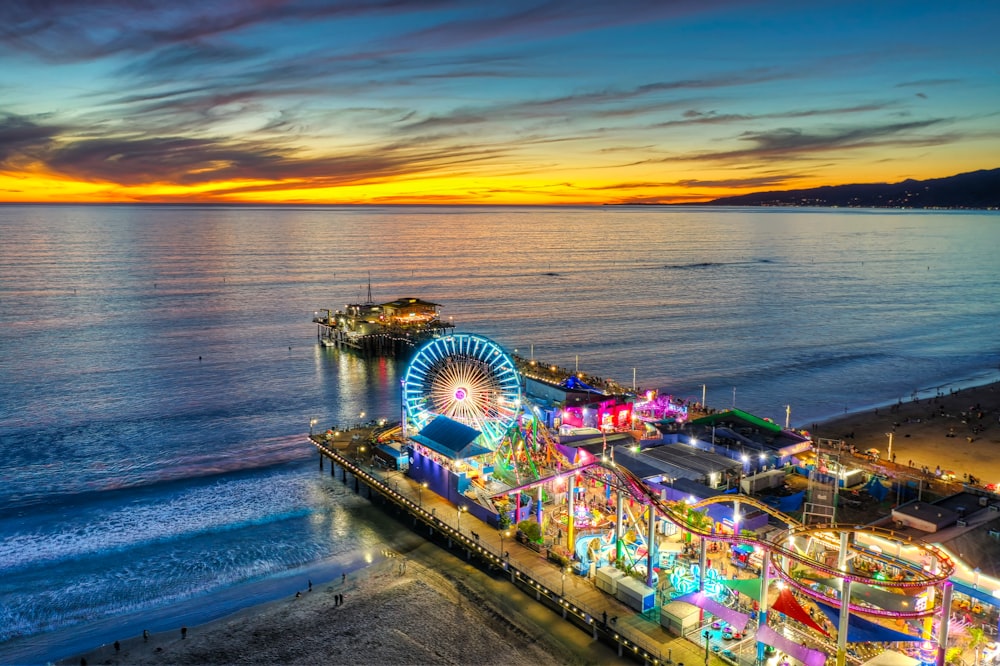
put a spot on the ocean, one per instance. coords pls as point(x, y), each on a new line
point(159, 367)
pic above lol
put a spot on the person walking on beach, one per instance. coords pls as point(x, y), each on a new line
point(343, 578)
point(145, 635)
point(310, 586)
point(118, 647)
point(184, 632)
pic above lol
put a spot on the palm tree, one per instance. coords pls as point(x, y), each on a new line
point(977, 639)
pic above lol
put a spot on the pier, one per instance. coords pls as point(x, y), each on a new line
point(396, 328)
point(636, 636)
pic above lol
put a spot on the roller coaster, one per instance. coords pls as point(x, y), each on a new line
point(910, 577)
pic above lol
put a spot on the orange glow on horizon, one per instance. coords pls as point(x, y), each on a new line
point(561, 189)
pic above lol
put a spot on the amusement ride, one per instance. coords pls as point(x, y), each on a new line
point(472, 380)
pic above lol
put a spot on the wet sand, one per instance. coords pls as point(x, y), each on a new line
point(956, 431)
point(428, 607)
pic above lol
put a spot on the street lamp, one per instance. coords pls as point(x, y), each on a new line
point(564, 572)
point(889, 452)
point(420, 494)
point(503, 533)
point(461, 509)
point(312, 422)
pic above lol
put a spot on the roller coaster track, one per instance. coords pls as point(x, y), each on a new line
point(918, 578)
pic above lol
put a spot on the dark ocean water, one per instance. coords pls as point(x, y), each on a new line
point(158, 366)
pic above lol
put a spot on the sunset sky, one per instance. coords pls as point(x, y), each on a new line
point(510, 102)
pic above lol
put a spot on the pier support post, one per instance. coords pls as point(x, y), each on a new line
point(946, 591)
point(321, 461)
point(333, 469)
point(357, 489)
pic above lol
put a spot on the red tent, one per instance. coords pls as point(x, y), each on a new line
point(787, 604)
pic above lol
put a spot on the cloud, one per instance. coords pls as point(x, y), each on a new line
point(188, 161)
point(727, 183)
point(924, 83)
point(794, 143)
point(600, 103)
point(69, 30)
point(21, 140)
point(694, 117)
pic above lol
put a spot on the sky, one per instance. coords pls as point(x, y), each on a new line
point(509, 102)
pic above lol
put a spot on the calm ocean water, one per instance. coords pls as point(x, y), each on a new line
point(158, 367)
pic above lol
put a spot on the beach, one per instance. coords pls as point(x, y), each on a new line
point(957, 431)
point(423, 607)
point(427, 606)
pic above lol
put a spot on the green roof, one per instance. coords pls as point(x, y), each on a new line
point(712, 419)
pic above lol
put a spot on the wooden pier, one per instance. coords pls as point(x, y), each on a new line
point(635, 636)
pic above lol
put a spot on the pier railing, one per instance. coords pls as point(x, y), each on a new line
point(630, 642)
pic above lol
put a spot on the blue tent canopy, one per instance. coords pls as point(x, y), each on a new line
point(860, 630)
point(450, 438)
point(573, 383)
point(876, 489)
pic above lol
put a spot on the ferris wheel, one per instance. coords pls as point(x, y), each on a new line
point(467, 378)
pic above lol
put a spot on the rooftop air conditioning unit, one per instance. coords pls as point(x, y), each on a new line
point(994, 507)
point(962, 523)
point(983, 501)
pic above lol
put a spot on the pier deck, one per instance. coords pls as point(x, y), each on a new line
point(576, 598)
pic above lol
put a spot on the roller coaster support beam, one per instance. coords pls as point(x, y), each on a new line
point(650, 544)
point(703, 561)
point(571, 520)
point(845, 603)
point(946, 589)
point(618, 526)
point(845, 618)
point(765, 572)
point(538, 506)
point(931, 593)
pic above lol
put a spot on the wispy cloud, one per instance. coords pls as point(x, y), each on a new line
point(793, 143)
point(22, 140)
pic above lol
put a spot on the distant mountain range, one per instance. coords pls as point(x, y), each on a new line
point(978, 189)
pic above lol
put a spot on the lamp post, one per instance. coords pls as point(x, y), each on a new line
point(889, 452)
point(460, 510)
point(564, 571)
point(312, 422)
point(503, 533)
point(420, 494)
point(744, 459)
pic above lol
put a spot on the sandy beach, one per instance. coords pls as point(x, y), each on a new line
point(957, 431)
point(428, 607)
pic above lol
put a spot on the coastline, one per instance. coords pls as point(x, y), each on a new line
point(957, 430)
point(427, 606)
